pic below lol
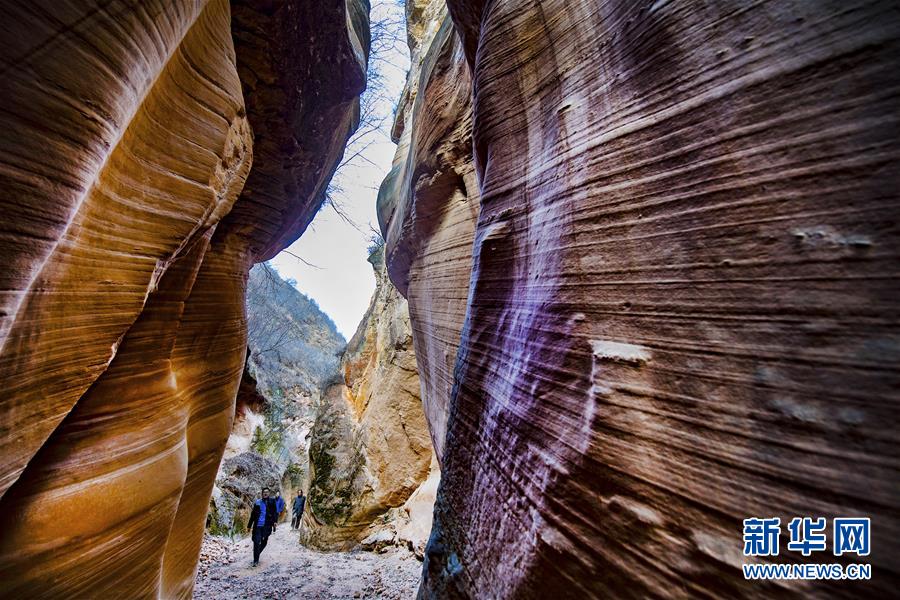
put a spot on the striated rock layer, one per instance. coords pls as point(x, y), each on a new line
point(429, 202)
point(683, 307)
point(126, 236)
point(370, 448)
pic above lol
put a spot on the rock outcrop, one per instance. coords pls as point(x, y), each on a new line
point(249, 414)
point(429, 202)
point(238, 483)
point(683, 303)
point(295, 348)
point(295, 351)
point(131, 216)
point(370, 448)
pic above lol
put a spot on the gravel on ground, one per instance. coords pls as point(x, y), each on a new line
point(289, 570)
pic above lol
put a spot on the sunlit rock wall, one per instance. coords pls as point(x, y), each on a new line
point(249, 408)
point(126, 235)
point(370, 448)
point(683, 308)
point(429, 202)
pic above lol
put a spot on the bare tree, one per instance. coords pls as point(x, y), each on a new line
point(376, 240)
point(288, 334)
point(266, 332)
point(388, 40)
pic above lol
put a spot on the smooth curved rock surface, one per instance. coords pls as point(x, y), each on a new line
point(429, 203)
point(302, 66)
point(684, 301)
point(126, 240)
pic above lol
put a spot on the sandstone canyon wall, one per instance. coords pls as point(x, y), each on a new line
point(131, 216)
point(429, 202)
point(683, 305)
point(370, 450)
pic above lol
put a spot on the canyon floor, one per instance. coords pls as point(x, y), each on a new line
point(289, 570)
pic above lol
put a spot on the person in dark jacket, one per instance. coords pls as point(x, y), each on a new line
point(299, 504)
point(262, 518)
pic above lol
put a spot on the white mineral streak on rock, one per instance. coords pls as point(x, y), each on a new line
point(606, 350)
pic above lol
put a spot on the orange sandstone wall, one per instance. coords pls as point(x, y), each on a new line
point(429, 203)
point(126, 234)
point(370, 449)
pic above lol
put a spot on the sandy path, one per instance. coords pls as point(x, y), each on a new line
point(289, 570)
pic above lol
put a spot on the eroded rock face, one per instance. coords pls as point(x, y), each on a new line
point(295, 348)
point(249, 409)
point(293, 355)
point(683, 304)
point(370, 448)
point(127, 235)
point(429, 202)
point(239, 482)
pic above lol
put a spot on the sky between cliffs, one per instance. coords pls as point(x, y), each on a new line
point(341, 280)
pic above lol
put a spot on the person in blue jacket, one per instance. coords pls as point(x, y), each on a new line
point(279, 508)
point(262, 520)
point(299, 503)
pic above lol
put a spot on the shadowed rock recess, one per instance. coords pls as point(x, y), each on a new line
point(681, 307)
point(152, 152)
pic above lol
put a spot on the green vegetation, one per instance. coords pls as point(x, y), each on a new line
point(215, 523)
point(267, 442)
point(331, 506)
point(295, 475)
point(217, 528)
point(268, 439)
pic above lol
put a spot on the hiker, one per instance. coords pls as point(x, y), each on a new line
point(279, 508)
point(262, 520)
point(299, 503)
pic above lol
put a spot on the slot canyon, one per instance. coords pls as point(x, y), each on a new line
point(637, 284)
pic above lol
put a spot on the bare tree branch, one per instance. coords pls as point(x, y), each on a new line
point(303, 260)
point(388, 39)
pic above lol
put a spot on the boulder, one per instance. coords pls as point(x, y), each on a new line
point(238, 484)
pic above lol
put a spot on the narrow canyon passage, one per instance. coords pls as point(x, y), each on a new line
point(342, 426)
point(608, 307)
point(329, 409)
